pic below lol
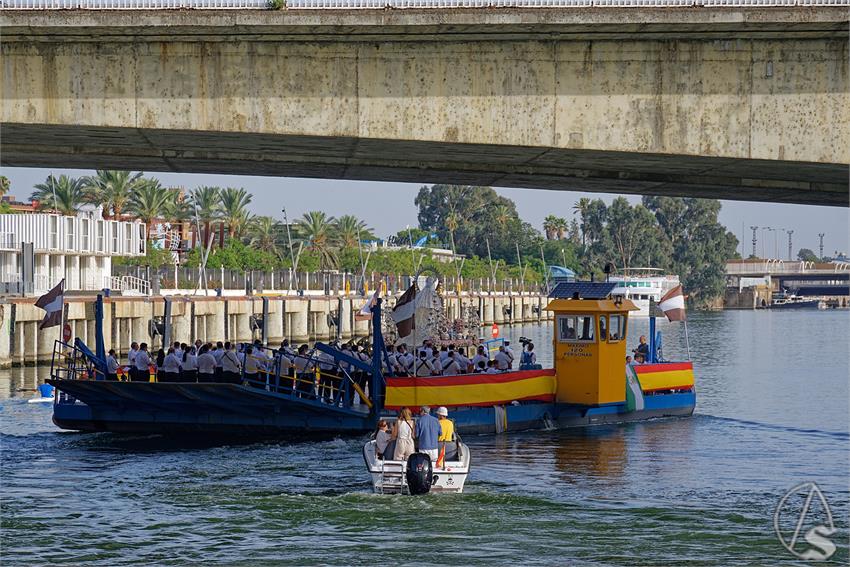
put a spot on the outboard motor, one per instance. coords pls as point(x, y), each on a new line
point(419, 473)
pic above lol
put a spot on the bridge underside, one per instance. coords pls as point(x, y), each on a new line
point(733, 103)
point(87, 147)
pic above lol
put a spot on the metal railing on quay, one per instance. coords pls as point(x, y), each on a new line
point(395, 4)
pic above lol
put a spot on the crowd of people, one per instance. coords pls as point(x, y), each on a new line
point(223, 362)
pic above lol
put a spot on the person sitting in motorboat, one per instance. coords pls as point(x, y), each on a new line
point(492, 367)
point(639, 359)
point(481, 367)
point(428, 433)
point(382, 438)
point(45, 390)
point(403, 435)
point(642, 348)
point(628, 360)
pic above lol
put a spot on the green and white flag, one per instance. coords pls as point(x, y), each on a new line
point(634, 394)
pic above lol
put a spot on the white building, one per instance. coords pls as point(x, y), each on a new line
point(79, 249)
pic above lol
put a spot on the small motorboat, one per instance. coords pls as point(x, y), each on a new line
point(44, 395)
point(418, 475)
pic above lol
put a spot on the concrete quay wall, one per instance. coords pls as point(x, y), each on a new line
point(297, 318)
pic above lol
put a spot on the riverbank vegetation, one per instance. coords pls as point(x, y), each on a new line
point(680, 235)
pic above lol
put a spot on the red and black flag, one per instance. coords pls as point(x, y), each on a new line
point(53, 302)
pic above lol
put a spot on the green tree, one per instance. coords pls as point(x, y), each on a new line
point(234, 210)
point(550, 227)
point(699, 244)
point(581, 208)
point(348, 230)
point(112, 189)
point(807, 255)
point(264, 234)
point(5, 185)
point(69, 193)
point(150, 201)
point(316, 228)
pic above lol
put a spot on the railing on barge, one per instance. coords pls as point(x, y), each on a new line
point(337, 387)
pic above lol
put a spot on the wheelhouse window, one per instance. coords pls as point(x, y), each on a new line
point(576, 328)
point(603, 327)
point(617, 329)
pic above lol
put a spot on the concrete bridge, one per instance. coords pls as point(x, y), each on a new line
point(726, 102)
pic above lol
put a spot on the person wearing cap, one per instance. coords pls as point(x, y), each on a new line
point(447, 427)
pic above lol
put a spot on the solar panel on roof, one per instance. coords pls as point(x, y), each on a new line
point(582, 290)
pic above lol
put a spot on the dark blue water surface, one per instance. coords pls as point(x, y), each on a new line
point(772, 413)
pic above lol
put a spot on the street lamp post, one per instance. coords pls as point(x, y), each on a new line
point(790, 246)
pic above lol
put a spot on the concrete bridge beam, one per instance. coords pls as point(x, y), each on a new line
point(734, 103)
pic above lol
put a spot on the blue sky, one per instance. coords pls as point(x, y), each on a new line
point(388, 207)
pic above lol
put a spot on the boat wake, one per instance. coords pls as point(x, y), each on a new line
point(772, 426)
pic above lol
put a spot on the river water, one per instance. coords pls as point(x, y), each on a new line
point(772, 412)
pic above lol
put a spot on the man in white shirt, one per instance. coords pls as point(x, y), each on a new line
point(462, 361)
point(111, 365)
point(423, 365)
point(510, 352)
point(502, 361)
point(450, 366)
point(141, 363)
point(131, 356)
point(231, 368)
point(218, 352)
point(171, 367)
point(480, 356)
point(206, 365)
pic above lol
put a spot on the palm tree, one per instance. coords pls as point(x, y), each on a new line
point(581, 207)
point(4, 186)
point(349, 230)
point(562, 226)
point(151, 201)
point(112, 189)
point(234, 210)
point(315, 227)
point(550, 226)
point(179, 208)
point(502, 215)
point(207, 201)
point(69, 194)
point(263, 233)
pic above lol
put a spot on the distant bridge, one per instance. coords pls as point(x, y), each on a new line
point(726, 99)
point(804, 278)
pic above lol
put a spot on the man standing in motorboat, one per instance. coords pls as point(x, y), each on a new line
point(428, 431)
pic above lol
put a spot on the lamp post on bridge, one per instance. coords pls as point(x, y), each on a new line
point(755, 239)
point(789, 233)
point(820, 236)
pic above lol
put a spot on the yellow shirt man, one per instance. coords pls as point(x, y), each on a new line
point(448, 429)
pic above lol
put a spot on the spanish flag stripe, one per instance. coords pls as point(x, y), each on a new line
point(468, 379)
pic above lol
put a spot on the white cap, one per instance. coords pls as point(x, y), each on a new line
point(442, 411)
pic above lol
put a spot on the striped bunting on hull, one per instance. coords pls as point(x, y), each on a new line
point(471, 389)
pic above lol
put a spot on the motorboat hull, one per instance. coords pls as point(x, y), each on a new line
point(387, 475)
